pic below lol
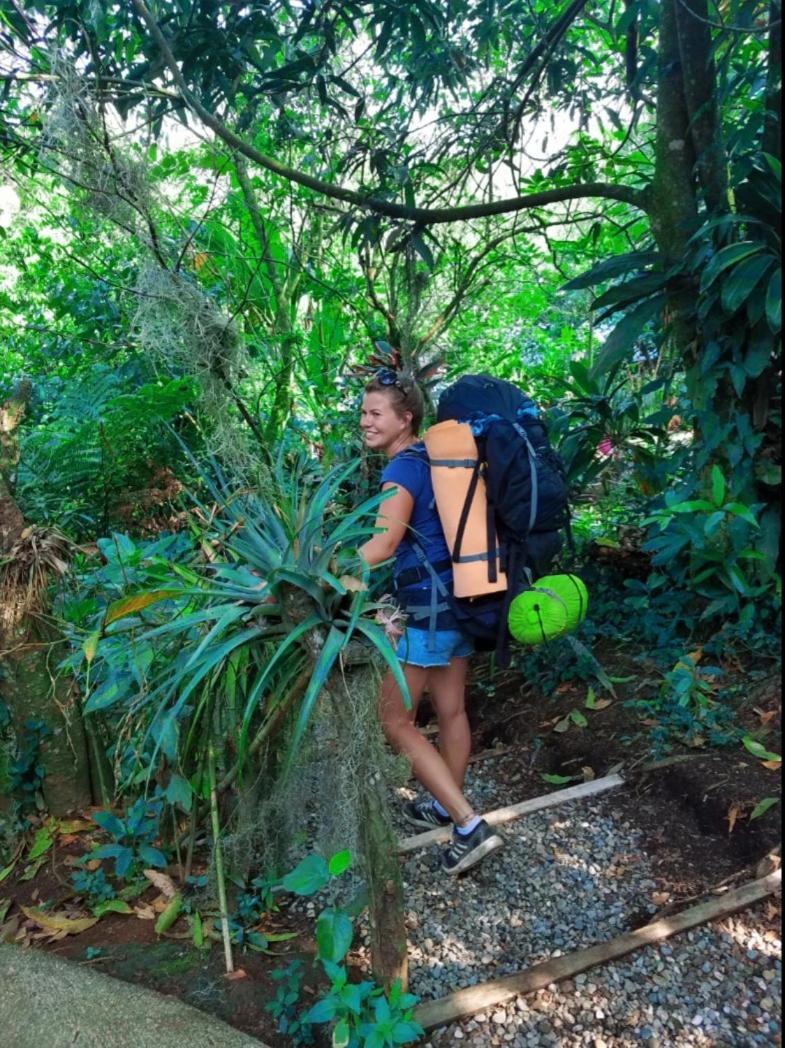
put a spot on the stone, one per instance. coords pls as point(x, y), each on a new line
point(45, 1000)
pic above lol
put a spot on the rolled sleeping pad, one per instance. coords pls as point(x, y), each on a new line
point(453, 452)
point(553, 606)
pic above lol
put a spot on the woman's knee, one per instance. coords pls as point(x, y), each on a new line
point(451, 714)
point(395, 726)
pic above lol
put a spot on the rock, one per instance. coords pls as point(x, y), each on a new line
point(48, 1001)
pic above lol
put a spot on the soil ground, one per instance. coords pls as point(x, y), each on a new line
point(692, 806)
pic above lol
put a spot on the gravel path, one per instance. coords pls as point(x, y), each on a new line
point(567, 878)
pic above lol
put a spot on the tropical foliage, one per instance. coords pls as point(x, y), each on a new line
point(216, 221)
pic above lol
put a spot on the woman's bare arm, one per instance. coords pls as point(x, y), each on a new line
point(394, 516)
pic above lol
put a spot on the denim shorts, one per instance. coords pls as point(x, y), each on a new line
point(447, 644)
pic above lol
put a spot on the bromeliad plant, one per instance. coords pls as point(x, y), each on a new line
point(262, 623)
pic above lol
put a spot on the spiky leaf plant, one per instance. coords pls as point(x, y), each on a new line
point(269, 602)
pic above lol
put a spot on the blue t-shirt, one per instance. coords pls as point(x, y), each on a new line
point(411, 471)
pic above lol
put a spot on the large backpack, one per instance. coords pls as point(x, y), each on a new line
point(526, 491)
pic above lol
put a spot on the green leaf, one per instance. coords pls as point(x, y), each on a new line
point(377, 637)
point(578, 718)
point(179, 792)
point(774, 301)
point(42, 842)
point(308, 876)
point(7, 871)
point(111, 906)
point(90, 646)
point(288, 646)
point(406, 1031)
point(763, 806)
point(757, 749)
point(738, 509)
point(621, 341)
point(339, 862)
point(335, 642)
point(334, 933)
point(717, 486)
point(423, 251)
point(323, 1011)
point(737, 579)
point(197, 929)
point(341, 1034)
point(692, 506)
point(630, 291)
point(169, 915)
point(633, 261)
point(741, 282)
point(556, 780)
point(728, 256)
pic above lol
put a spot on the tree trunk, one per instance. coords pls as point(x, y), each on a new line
point(672, 204)
point(674, 214)
point(699, 82)
point(389, 953)
point(380, 863)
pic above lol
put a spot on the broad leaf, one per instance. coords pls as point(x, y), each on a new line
point(137, 602)
point(334, 933)
point(726, 257)
point(621, 341)
point(774, 301)
point(632, 262)
point(717, 486)
point(739, 285)
point(763, 806)
point(308, 876)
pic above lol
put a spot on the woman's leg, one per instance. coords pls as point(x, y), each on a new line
point(447, 686)
point(428, 766)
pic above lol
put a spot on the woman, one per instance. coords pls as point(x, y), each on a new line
point(432, 650)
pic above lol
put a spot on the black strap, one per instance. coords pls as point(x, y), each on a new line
point(411, 576)
point(454, 463)
point(490, 528)
point(467, 505)
point(516, 559)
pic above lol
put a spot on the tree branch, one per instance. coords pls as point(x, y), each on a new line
point(423, 216)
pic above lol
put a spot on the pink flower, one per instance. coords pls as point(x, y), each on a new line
point(606, 447)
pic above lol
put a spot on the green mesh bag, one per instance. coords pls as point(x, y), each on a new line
point(553, 606)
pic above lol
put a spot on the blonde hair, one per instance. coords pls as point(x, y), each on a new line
point(403, 392)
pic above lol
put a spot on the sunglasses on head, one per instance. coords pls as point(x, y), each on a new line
point(389, 377)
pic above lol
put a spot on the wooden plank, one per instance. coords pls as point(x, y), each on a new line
point(486, 995)
point(515, 811)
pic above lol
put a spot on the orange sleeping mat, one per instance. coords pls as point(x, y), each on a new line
point(452, 452)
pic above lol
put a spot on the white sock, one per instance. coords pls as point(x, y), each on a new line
point(440, 810)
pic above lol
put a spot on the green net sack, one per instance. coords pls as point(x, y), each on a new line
point(554, 605)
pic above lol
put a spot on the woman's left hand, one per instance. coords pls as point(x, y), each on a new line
point(353, 584)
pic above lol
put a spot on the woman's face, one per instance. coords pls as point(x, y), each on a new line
point(381, 426)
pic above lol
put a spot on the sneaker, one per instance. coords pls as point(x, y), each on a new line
point(464, 851)
point(423, 813)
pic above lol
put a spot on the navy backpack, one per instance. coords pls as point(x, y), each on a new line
point(527, 496)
